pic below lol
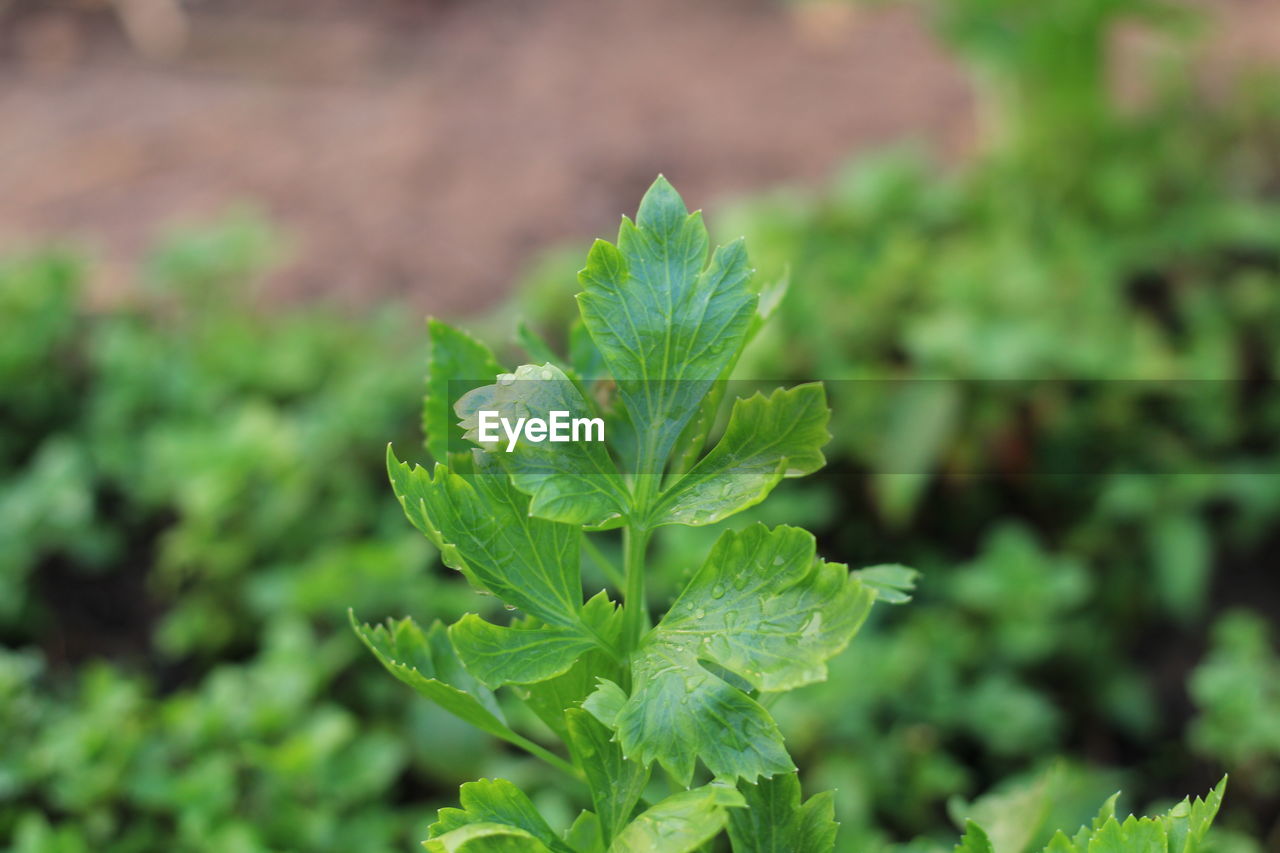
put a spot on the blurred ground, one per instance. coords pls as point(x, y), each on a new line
point(428, 149)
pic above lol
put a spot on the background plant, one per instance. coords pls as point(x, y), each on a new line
point(154, 448)
point(180, 517)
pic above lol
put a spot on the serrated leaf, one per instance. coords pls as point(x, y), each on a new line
point(550, 699)
point(680, 823)
point(616, 784)
point(680, 712)
point(1188, 822)
point(763, 609)
point(1133, 836)
point(974, 841)
point(690, 444)
point(499, 655)
point(665, 322)
point(454, 361)
point(892, 583)
point(495, 802)
point(1181, 830)
point(1061, 844)
point(427, 663)
point(607, 702)
point(767, 439)
point(1106, 811)
point(482, 526)
point(776, 822)
point(766, 608)
point(573, 482)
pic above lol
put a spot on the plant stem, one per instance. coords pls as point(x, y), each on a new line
point(545, 754)
point(636, 615)
point(606, 565)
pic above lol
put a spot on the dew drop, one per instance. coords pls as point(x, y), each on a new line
point(546, 373)
point(506, 378)
point(699, 613)
point(717, 591)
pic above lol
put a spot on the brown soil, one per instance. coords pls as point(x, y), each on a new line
point(428, 149)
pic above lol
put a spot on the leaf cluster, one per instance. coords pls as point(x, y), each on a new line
point(662, 323)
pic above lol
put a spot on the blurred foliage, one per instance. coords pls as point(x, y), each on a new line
point(1237, 692)
point(191, 493)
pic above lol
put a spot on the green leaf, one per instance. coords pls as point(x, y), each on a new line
point(607, 702)
point(974, 841)
point(666, 323)
point(1133, 836)
point(767, 439)
point(485, 838)
point(496, 802)
point(922, 417)
point(892, 583)
point(690, 444)
point(616, 784)
point(680, 712)
point(776, 822)
point(427, 663)
point(1058, 844)
point(483, 528)
point(680, 823)
point(1107, 810)
point(584, 355)
point(586, 834)
point(1189, 822)
point(1182, 552)
point(573, 482)
point(455, 357)
point(766, 608)
point(765, 611)
point(499, 655)
point(1013, 819)
point(550, 699)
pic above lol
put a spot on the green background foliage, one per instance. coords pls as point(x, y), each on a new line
point(193, 491)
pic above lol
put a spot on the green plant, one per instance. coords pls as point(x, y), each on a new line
point(1013, 820)
point(1236, 689)
point(763, 615)
point(1043, 69)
